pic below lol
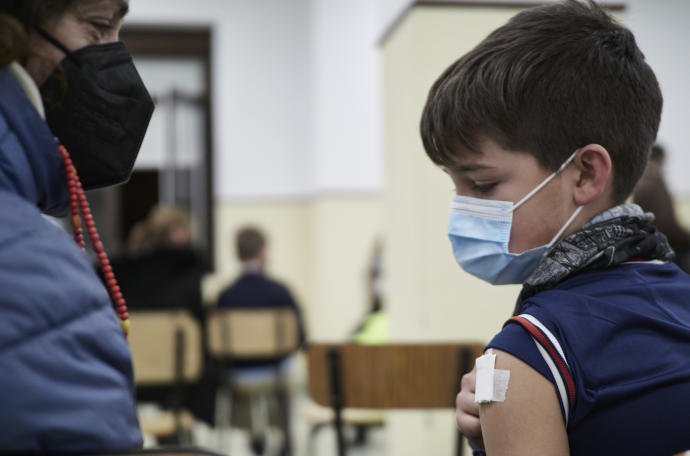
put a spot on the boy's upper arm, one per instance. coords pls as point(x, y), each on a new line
point(529, 421)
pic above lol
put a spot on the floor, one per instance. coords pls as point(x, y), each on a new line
point(235, 442)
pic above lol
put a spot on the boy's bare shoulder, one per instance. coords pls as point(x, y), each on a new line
point(529, 421)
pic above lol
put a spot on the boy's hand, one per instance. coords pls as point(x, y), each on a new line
point(467, 411)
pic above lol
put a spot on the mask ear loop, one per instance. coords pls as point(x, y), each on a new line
point(546, 181)
point(52, 40)
point(565, 227)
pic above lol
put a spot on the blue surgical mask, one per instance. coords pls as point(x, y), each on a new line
point(479, 231)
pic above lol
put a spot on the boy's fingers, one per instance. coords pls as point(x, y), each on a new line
point(469, 381)
point(464, 403)
point(469, 425)
point(467, 411)
point(471, 429)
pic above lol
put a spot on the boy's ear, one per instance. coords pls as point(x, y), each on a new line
point(593, 173)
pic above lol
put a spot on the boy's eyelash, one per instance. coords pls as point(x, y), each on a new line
point(483, 188)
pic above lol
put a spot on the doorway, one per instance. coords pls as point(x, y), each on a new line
point(174, 166)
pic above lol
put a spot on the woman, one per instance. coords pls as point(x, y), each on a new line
point(65, 369)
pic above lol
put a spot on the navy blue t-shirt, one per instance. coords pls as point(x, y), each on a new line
point(616, 345)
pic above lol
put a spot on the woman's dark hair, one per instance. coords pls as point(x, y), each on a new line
point(551, 80)
point(17, 16)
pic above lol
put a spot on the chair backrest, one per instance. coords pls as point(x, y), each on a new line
point(389, 376)
point(252, 333)
point(166, 347)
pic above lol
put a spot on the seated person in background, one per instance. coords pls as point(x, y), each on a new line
point(374, 328)
point(544, 128)
point(161, 269)
point(652, 194)
point(253, 289)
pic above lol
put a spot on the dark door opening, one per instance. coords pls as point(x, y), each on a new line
point(138, 197)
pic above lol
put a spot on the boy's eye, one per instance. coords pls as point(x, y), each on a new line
point(483, 188)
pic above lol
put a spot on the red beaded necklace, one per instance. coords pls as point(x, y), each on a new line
point(77, 200)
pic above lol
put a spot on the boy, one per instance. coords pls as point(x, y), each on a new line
point(544, 128)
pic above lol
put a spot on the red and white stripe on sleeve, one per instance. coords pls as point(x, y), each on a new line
point(550, 349)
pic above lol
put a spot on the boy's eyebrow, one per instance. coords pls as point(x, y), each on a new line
point(471, 167)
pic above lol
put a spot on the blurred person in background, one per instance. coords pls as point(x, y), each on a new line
point(253, 289)
point(161, 269)
point(374, 328)
point(652, 194)
point(66, 374)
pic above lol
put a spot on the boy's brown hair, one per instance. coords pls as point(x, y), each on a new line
point(249, 242)
point(551, 80)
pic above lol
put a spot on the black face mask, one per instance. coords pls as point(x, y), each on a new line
point(99, 109)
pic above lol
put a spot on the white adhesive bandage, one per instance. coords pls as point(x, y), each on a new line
point(492, 384)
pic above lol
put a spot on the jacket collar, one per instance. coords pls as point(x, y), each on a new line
point(30, 164)
point(30, 88)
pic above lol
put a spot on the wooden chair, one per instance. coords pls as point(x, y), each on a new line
point(239, 334)
point(319, 417)
point(166, 351)
point(389, 376)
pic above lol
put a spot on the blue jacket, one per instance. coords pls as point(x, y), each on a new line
point(65, 370)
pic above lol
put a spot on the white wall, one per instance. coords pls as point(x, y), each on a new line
point(263, 100)
point(346, 123)
point(662, 33)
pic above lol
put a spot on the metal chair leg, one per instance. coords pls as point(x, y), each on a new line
point(337, 398)
point(223, 419)
point(284, 406)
